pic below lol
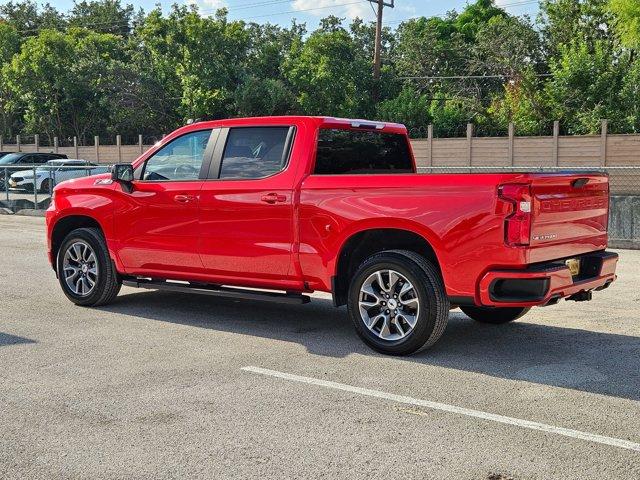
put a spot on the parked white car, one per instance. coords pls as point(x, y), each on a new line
point(54, 172)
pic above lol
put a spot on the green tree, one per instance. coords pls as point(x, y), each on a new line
point(29, 18)
point(430, 47)
point(9, 46)
point(104, 16)
point(508, 46)
point(410, 108)
point(9, 42)
point(475, 16)
point(450, 115)
point(327, 73)
point(630, 99)
point(264, 96)
point(585, 87)
point(566, 22)
point(199, 59)
point(627, 21)
point(267, 47)
point(522, 104)
point(62, 80)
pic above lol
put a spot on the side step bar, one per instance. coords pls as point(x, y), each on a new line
point(218, 291)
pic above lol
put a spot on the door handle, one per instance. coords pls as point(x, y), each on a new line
point(184, 198)
point(274, 198)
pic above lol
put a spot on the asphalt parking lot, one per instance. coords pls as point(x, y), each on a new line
point(157, 386)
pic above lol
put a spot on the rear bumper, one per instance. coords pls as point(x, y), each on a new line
point(544, 284)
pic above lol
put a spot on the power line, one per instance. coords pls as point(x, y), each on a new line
point(128, 24)
point(253, 5)
point(306, 10)
point(461, 77)
point(507, 5)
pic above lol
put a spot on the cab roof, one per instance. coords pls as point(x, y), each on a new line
point(318, 121)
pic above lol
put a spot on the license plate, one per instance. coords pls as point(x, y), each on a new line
point(574, 266)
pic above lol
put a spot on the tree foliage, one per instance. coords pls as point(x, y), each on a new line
point(104, 68)
point(627, 21)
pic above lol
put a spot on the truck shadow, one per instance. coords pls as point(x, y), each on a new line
point(7, 339)
point(602, 363)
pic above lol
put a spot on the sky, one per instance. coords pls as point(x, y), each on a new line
point(310, 11)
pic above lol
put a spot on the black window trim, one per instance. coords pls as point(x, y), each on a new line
point(206, 157)
point(221, 145)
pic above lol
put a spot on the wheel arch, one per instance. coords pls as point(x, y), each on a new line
point(365, 242)
point(64, 225)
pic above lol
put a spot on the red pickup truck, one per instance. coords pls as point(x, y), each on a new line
point(274, 208)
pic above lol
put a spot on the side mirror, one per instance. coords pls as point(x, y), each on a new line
point(122, 173)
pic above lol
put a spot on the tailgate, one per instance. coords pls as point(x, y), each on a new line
point(570, 214)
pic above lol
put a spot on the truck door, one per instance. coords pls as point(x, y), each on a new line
point(246, 207)
point(157, 221)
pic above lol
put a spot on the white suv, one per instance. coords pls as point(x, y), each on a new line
point(54, 172)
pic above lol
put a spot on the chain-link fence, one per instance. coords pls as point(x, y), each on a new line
point(30, 188)
point(623, 180)
point(624, 183)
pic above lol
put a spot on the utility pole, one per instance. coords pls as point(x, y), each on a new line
point(378, 45)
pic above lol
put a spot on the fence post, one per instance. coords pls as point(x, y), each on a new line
point(35, 189)
point(469, 142)
point(0, 143)
point(75, 146)
point(6, 182)
point(603, 142)
point(96, 141)
point(55, 144)
point(119, 146)
point(430, 144)
point(18, 142)
point(512, 130)
point(140, 144)
point(556, 137)
point(36, 141)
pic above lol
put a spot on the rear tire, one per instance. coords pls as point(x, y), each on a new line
point(495, 315)
point(85, 270)
point(397, 302)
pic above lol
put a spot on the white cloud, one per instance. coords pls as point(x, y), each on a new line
point(322, 8)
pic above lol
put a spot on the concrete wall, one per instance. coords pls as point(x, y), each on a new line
point(624, 221)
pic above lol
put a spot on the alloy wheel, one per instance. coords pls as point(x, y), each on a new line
point(80, 268)
point(389, 305)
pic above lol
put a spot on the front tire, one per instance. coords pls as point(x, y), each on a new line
point(85, 270)
point(495, 315)
point(397, 302)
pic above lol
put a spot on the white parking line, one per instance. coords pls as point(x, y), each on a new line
point(567, 432)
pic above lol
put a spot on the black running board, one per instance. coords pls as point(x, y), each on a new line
point(217, 291)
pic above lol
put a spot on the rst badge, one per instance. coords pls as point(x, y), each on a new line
point(543, 238)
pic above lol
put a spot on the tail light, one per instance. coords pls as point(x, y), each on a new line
point(517, 226)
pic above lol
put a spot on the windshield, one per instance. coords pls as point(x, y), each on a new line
point(10, 159)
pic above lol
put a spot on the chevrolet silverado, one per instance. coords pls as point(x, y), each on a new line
point(275, 208)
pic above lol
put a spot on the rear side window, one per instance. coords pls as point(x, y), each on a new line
point(255, 152)
point(358, 152)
